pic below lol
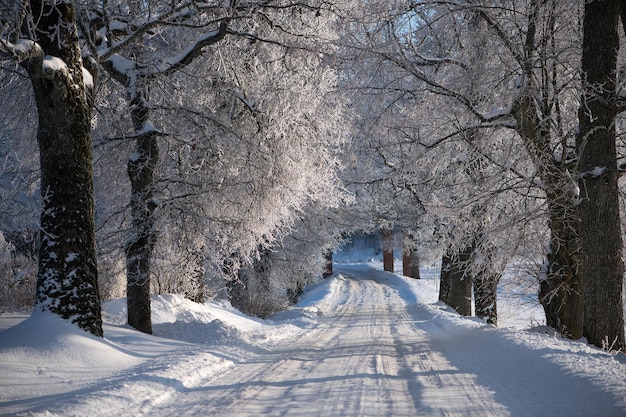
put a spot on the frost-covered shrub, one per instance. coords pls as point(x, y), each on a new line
point(18, 276)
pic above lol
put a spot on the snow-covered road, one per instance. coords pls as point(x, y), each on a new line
point(374, 350)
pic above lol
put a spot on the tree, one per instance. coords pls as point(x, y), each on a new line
point(220, 165)
point(600, 232)
point(45, 42)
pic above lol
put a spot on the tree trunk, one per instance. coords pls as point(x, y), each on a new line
point(67, 282)
point(410, 258)
point(328, 266)
point(560, 293)
point(485, 295)
point(457, 290)
point(387, 242)
point(600, 232)
point(444, 278)
point(559, 288)
point(143, 236)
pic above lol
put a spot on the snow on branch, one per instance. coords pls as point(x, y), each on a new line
point(172, 17)
point(148, 129)
point(21, 51)
point(171, 65)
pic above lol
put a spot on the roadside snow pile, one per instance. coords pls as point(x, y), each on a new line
point(43, 353)
point(46, 336)
point(214, 322)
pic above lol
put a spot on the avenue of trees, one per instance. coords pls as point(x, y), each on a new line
point(225, 148)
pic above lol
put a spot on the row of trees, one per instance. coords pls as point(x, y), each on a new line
point(254, 134)
point(222, 111)
point(502, 116)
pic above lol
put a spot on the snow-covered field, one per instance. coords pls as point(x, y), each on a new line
point(361, 343)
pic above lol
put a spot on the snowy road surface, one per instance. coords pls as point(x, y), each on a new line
point(373, 350)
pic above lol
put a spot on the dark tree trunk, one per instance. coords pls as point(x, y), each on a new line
point(410, 258)
point(67, 282)
point(444, 279)
point(143, 237)
point(414, 271)
point(387, 242)
point(600, 232)
point(457, 290)
point(328, 266)
point(485, 295)
point(559, 291)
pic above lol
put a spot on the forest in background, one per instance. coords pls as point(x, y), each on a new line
point(225, 149)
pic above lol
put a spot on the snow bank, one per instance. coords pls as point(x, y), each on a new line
point(45, 354)
point(46, 336)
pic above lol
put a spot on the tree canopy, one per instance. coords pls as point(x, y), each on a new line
point(224, 148)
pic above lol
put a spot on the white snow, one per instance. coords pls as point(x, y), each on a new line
point(121, 64)
point(361, 343)
point(87, 78)
point(53, 63)
point(596, 172)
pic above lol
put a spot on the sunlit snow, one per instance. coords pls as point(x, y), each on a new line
point(361, 343)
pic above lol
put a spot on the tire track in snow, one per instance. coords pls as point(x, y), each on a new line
point(347, 366)
point(375, 352)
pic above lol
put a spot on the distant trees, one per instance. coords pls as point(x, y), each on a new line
point(446, 99)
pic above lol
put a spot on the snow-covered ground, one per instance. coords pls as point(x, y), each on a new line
point(361, 343)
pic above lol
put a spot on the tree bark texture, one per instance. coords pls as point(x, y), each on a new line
point(457, 290)
point(600, 233)
point(485, 296)
point(143, 237)
point(559, 291)
point(67, 282)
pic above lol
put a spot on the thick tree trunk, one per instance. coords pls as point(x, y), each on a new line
point(600, 232)
point(411, 263)
point(560, 293)
point(67, 282)
point(457, 290)
point(141, 171)
point(559, 288)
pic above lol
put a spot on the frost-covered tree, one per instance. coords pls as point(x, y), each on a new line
point(42, 37)
point(228, 162)
point(468, 110)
